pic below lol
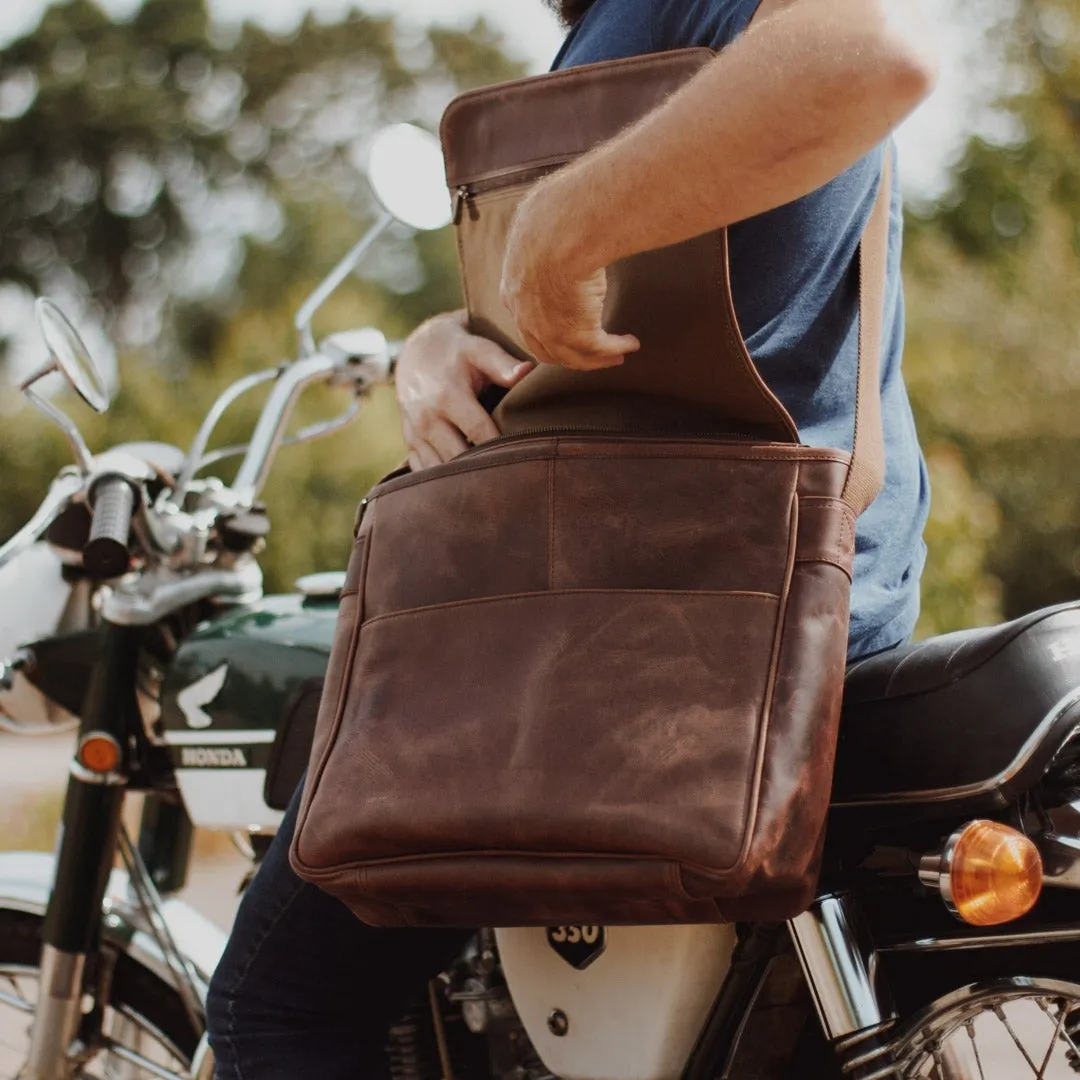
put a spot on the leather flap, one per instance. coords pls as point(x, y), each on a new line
point(548, 118)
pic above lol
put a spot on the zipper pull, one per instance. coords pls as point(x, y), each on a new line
point(463, 196)
point(360, 511)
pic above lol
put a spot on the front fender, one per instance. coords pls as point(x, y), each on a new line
point(26, 879)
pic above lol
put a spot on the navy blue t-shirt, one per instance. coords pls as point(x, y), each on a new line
point(795, 285)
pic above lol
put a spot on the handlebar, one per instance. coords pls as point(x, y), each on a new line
point(359, 358)
point(106, 554)
point(270, 429)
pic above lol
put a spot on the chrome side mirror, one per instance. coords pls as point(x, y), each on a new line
point(69, 356)
point(406, 173)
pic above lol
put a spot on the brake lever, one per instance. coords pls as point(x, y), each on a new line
point(363, 358)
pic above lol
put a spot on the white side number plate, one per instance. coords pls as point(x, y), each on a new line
point(579, 946)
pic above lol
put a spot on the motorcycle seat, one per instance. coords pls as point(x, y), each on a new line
point(966, 721)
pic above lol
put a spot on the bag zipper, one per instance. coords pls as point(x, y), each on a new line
point(460, 462)
point(465, 194)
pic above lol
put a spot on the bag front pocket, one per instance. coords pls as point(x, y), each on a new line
point(565, 722)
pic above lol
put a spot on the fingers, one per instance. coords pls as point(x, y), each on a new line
point(474, 421)
point(441, 371)
point(560, 318)
point(582, 352)
point(496, 364)
point(442, 440)
point(446, 440)
point(422, 456)
point(620, 344)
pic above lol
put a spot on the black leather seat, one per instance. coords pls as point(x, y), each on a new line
point(970, 719)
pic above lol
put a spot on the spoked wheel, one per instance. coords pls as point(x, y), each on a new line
point(1005, 1029)
point(147, 1032)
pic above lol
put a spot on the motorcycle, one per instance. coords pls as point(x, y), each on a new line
point(944, 941)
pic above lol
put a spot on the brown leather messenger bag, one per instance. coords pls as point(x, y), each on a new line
point(592, 672)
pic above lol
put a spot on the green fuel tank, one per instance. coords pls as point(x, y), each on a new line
point(239, 704)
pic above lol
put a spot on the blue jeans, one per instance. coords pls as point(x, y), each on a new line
point(307, 990)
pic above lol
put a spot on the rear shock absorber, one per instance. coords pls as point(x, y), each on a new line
point(410, 1050)
point(855, 1007)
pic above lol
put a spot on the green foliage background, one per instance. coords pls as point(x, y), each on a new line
point(137, 130)
point(278, 121)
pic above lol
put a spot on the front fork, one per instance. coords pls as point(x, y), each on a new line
point(853, 1003)
point(86, 852)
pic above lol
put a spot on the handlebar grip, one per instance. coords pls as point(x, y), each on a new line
point(106, 553)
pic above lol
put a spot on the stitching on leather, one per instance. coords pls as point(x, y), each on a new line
point(529, 164)
point(439, 472)
point(705, 453)
point(551, 524)
point(500, 194)
point(840, 564)
point(664, 455)
point(554, 593)
point(676, 884)
point(845, 539)
point(339, 710)
point(333, 873)
point(824, 501)
point(754, 797)
point(361, 588)
point(466, 98)
point(738, 342)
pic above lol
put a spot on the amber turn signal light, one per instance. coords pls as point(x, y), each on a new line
point(98, 752)
point(987, 873)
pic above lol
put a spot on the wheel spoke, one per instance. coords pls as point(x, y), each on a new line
point(1064, 1032)
point(132, 1049)
point(16, 1001)
point(975, 1047)
point(999, 1012)
point(1053, 1043)
point(130, 1057)
point(939, 1068)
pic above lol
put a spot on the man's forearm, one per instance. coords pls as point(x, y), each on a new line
point(801, 97)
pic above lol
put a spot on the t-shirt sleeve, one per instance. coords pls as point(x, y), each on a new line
point(714, 24)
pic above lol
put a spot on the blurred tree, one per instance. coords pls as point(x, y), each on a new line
point(138, 159)
point(192, 187)
point(993, 359)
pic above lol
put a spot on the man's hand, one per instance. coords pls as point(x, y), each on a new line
point(556, 302)
point(441, 371)
point(810, 89)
